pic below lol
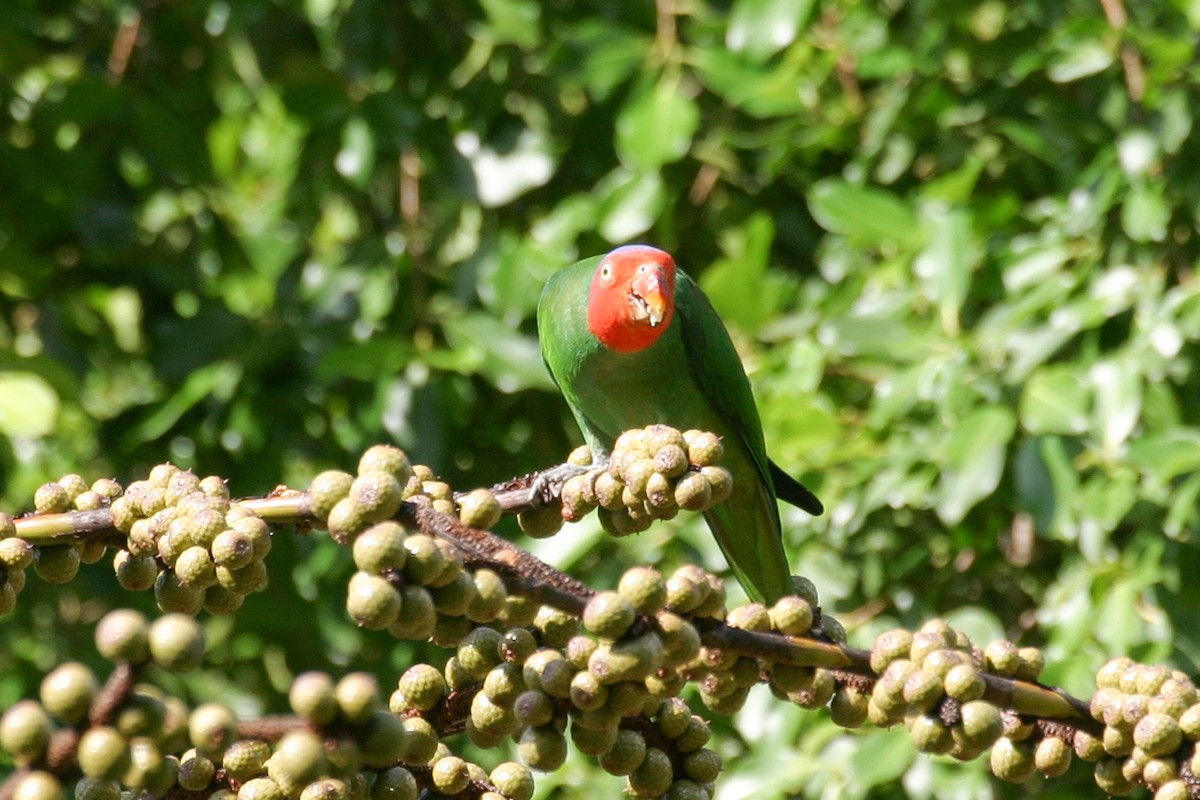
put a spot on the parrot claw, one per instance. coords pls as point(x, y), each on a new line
point(541, 490)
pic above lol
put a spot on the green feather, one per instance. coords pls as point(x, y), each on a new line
point(690, 378)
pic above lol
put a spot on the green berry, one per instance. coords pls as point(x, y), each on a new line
point(848, 708)
point(68, 691)
point(627, 753)
point(312, 697)
point(964, 683)
point(514, 780)
point(57, 563)
point(195, 568)
point(643, 587)
point(134, 573)
point(420, 741)
point(97, 789)
point(543, 749)
point(357, 695)
point(51, 498)
point(259, 789)
point(245, 758)
point(327, 489)
point(653, 776)
point(25, 731)
point(386, 458)
point(479, 509)
point(1158, 735)
point(792, 615)
point(243, 580)
point(1002, 657)
point(212, 727)
point(176, 643)
point(703, 448)
point(196, 773)
point(103, 753)
point(929, 733)
point(1012, 761)
point(609, 615)
point(395, 783)
point(123, 635)
point(540, 523)
point(377, 494)
point(1052, 756)
point(299, 758)
point(15, 554)
point(450, 775)
point(422, 687)
point(371, 601)
point(173, 596)
point(37, 785)
point(380, 548)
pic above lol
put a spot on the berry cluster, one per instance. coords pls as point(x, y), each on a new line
point(651, 474)
point(120, 736)
point(211, 548)
point(1151, 719)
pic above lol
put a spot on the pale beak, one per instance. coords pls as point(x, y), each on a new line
point(648, 295)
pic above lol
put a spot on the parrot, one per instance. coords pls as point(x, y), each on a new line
point(631, 341)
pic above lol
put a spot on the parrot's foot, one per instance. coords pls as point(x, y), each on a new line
point(540, 490)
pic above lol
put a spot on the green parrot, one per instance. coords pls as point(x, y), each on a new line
point(631, 341)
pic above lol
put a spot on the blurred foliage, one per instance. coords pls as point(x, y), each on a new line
point(955, 241)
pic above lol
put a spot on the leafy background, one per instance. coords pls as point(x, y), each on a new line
point(955, 243)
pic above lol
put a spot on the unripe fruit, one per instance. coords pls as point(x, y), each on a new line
point(533, 709)
point(396, 783)
point(627, 660)
point(260, 789)
point(792, 616)
point(25, 731)
point(299, 757)
point(929, 734)
point(380, 548)
point(645, 588)
point(608, 615)
point(981, 723)
point(386, 740)
point(15, 554)
point(1052, 756)
point(134, 573)
point(703, 448)
point(68, 690)
point(173, 596)
point(103, 753)
point(964, 683)
point(1002, 657)
point(51, 498)
point(479, 509)
point(848, 707)
point(195, 568)
point(653, 776)
point(97, 789)
point(357, 696)
point(750, 617)
point(1158, 735)
point(489, 598)
point(543, 749)
point(450, 775)
point(693, 492)
point(37, 785)
point(540, 523)
point(196, 773)
point(388, 459)
point(627, 753)
point(245, 758)
point(1012, 761)
point(417, 618)
point(371, 601)
point(376, 493)
point(211, 728)
point(422, 687)
point(123, 635)
point(514, 780)
point(176, 643)
point(57, 563)
point(420, 742)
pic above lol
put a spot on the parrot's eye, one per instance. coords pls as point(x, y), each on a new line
point(643, 269)
point(606, 272)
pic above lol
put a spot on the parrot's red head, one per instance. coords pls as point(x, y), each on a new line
point(632, 299)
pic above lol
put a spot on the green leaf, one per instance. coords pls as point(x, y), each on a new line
point(1117, 383)
point(28, 405)
point(1167, 456)
point(1055, 400)
point(514, 21)
point(973, 461)
point(882, 757)
point(946, 262)
point(736, 283)
point(1145, 214)
point(510, 360)
point(871, 216)
point(761, 28)
point(629, 204)
point(656, 125)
